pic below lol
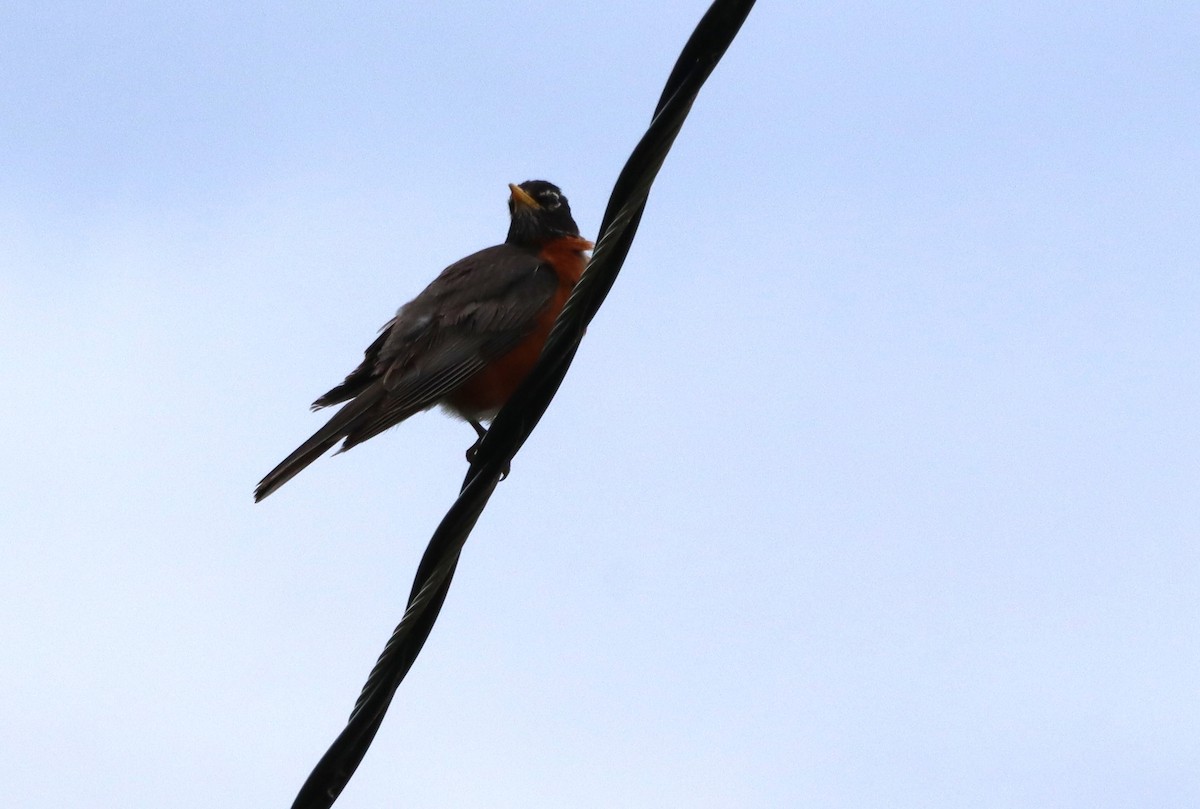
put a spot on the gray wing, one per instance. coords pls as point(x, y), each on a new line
point(478, 309)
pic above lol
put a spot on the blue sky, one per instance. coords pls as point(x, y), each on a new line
point(873, 484)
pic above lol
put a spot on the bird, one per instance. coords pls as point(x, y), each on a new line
point(466, 341)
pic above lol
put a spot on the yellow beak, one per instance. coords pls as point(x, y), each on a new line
point(520, 197)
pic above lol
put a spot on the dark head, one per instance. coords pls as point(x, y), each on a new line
point(539, 213)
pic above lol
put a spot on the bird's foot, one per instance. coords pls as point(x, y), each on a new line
point(473, 450)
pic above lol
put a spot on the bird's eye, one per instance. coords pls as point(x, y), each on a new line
point(550, 200)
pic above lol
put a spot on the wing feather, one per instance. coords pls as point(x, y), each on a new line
point(475, 311)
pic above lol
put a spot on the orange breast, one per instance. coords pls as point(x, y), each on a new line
point(484, 393)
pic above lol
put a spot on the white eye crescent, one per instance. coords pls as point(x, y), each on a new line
point(550, 200)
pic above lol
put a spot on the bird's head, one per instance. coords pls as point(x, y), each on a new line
point(539, 213)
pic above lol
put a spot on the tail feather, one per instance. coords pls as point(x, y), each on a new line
point(337, 428)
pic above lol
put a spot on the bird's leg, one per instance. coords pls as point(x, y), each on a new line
point(473, 450)
point(480, 432)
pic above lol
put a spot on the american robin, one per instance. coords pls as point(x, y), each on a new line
point(467, 341)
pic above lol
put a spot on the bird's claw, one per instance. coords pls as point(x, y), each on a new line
point(473, 450)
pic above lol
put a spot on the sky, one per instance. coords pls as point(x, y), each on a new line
point(874, 482)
